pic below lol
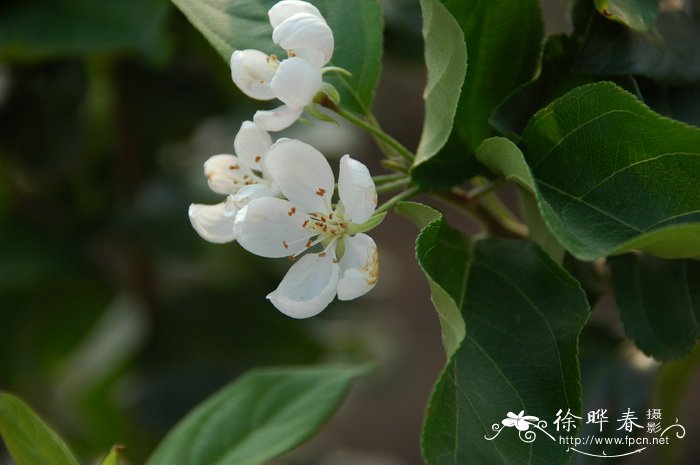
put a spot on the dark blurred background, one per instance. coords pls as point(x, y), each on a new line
point(115, 317)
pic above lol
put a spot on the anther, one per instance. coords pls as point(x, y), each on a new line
point(292, 211)
point(321, 192)
point(284, 243)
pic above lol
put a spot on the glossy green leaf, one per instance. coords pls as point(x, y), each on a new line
point(261, 415)
point(504, 158)
point(499, 62)
point(35, 29)
point(523, 314)
point(659, 303)
point(444, 255)
point(499, 59)
point(357, 28)
point(556, 76)
point(446, 62)
point(27, 438)
point(639, 15)
point(613, 176)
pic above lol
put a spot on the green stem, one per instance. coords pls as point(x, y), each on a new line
point(407, 194)
point(489, 186)
point(376, 131)
point(382, 178)
point(393, 185)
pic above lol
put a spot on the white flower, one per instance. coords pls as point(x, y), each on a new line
point(299, 28)
point(348, 266)
point(241, 178)
point(521, 421)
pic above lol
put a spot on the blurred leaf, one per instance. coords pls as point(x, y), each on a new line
point(28, 439)
point(613, 176)
point(261, 415)
point(665, 53)
point(556, 77)
point(499, 62)
point(446, 62)
point(612, 380)
point(659, 303)
point(517, 305)
point(113, 457)
point(357, 28)
point(672, 385)
point(639, 15)
point(41, 29)
point(444, 255)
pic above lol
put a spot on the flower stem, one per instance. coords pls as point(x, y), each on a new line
point(393, 185)
point(407, 194)
point(373, 128)
point(384, 178)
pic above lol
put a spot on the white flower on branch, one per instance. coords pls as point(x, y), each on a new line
point(241, 177)
point(347, 264)
point(300, 29)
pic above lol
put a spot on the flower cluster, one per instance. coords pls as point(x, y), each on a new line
point(300, 29)
point(280, 196)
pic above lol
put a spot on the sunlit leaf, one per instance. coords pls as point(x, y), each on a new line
point(28, 439)
point(446, 62)
point(613, 176)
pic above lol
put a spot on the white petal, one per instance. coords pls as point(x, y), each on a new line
point(287, 8)
point(271, 227)
point(255, 191)
point(251, 143)
point(359, 267)
point(296, 82)
point(277, 119)
point(308, 287)
point(308, 36)
point(226, 174)
point(356, 190)
point(252, 71)
point(302, 174)
point(214, 222)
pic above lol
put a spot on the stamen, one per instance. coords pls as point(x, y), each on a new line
point(321, 192)
point(292, 211)
point(284, 243)
point(330, 217)
point(258, 158)
point(322, 254)
point(309, 243)
point(305, 223)
point(233, 167)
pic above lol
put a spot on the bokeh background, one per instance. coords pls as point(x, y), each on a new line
point(116, 318)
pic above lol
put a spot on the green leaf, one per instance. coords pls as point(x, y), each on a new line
point(75, 27)
point(659, 303)
point(504, 158)
point(357, 28)
point(28, 439)
point(443, 254)
point(613, 176)
point(556, 77)
point(263, 414)
point(639, 15)
point(499, 62)
point(446, 62)
point(113, 457)
point(523, 314)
